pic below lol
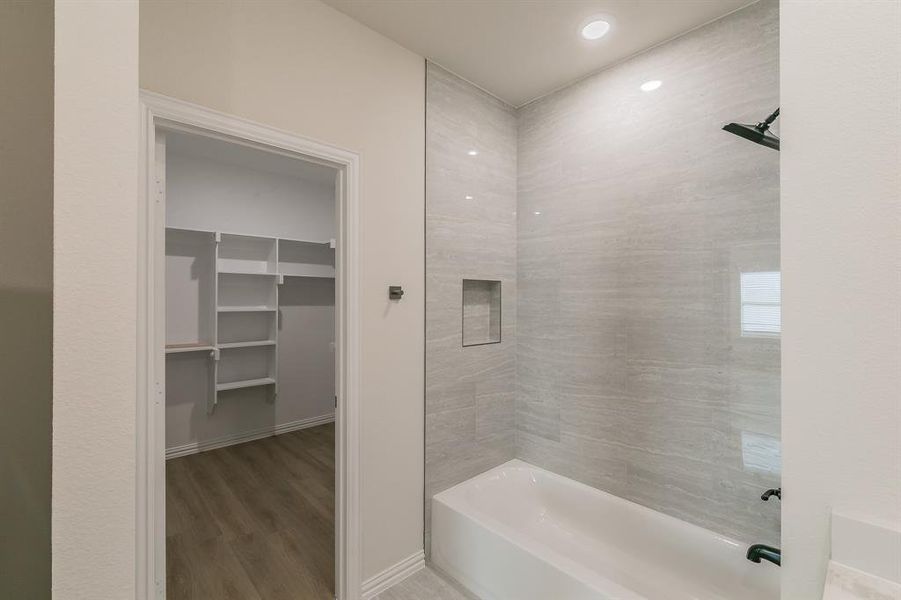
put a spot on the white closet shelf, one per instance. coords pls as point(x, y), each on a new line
point(246, 309)
point(308, 276)
point(330, 243)
point(235, 385)
point(252, 235)
point(190, 347)
point(188, 230)
point(239, 272)
point(321, 274)
point(251, 344)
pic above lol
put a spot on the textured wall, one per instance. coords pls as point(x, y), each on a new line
point(841, 223)
point(470, 233)
point(95, 191)
point(306, 68)
point(636, 216)
point(26, 265)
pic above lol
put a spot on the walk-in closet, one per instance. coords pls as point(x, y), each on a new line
point(250, 370)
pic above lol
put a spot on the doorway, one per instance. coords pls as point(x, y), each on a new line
point(248, 338)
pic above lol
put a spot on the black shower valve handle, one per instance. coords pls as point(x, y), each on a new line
point(771, 492)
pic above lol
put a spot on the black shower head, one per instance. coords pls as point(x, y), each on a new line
point(759, 134)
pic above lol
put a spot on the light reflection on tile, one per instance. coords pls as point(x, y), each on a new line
point(761, 453)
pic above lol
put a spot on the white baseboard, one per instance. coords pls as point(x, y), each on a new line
point(246, 436)
point(393, 575)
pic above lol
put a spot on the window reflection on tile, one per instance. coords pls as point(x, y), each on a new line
point(761, 453)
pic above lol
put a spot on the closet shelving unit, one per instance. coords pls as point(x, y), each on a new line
point(245, 272)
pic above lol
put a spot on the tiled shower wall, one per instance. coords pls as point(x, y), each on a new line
point(470, 234)
point(620, 337)
point(637, 215)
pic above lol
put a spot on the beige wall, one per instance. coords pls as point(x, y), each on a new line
point(26, 263)
point(307, 69)
point(841, 247)
point(94, 298)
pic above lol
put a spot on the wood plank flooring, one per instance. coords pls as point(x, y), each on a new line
point(254, 521)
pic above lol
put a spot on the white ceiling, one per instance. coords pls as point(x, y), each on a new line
point(520, 50)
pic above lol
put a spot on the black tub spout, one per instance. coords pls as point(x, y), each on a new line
point(759, 552)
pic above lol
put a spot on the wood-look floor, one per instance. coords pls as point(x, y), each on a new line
point(254, 521)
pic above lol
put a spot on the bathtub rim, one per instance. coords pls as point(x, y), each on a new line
point(454, 499)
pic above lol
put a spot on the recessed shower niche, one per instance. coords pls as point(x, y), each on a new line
point(481, 312)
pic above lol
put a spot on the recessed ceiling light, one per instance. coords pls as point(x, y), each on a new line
point(468, 197)
point(537, 212)
point(473, 153)
point(650, 86)
point(595, 30)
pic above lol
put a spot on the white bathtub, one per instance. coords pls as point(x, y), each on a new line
point(518, 532)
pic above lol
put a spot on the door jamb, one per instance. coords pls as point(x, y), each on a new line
point(173, 114)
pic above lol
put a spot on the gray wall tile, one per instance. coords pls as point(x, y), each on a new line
point(471, 234)
point(632, 375)
point(621, 363)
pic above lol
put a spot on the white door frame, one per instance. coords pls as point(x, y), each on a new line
point(173, 114)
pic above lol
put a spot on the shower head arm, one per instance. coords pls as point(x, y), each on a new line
point(761, 127)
